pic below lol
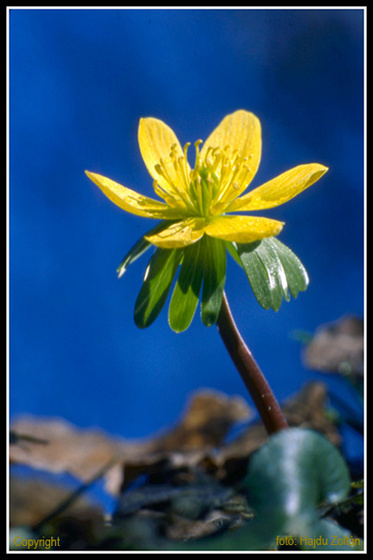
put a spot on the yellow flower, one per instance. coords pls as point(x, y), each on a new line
point(198, 225)
point(201, 201)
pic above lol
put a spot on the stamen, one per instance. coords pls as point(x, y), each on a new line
point(198, 155)
point(175, 192)
point(186, 149)
point(218, 158)
point(231, 166)
point(210, 186)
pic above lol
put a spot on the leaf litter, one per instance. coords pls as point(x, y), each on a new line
point(178, 486)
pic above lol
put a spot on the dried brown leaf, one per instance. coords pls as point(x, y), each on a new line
point(337, 347)
point(55, 445)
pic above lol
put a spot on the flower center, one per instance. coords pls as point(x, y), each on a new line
point(207, 189)
point(216, 178)
point(204, 182)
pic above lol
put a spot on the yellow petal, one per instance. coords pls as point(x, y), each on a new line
point(239, 131)
point(131, 201)
point(181, 234)
point(242, 229)
point(280, 189)
point(156, 140)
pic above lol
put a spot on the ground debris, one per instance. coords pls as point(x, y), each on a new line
point(177, 486)
point(338, 347)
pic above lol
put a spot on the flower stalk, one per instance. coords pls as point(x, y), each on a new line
point(252, 376)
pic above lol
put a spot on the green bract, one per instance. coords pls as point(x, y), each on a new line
point(273, 270)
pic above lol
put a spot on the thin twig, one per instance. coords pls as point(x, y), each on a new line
point(60, 508)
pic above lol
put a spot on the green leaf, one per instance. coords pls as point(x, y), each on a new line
point(187, 289)
point(296, 274)
point(232, 250)
point(156, 286)
point(273, 270)
point(298, 468)
point(139, 248)
point(289, 477)
point(215, 262)
point(256, 273)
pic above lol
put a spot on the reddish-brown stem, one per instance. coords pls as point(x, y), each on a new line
point(257, 385)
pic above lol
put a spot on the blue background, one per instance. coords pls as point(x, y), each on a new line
point(79, 80)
